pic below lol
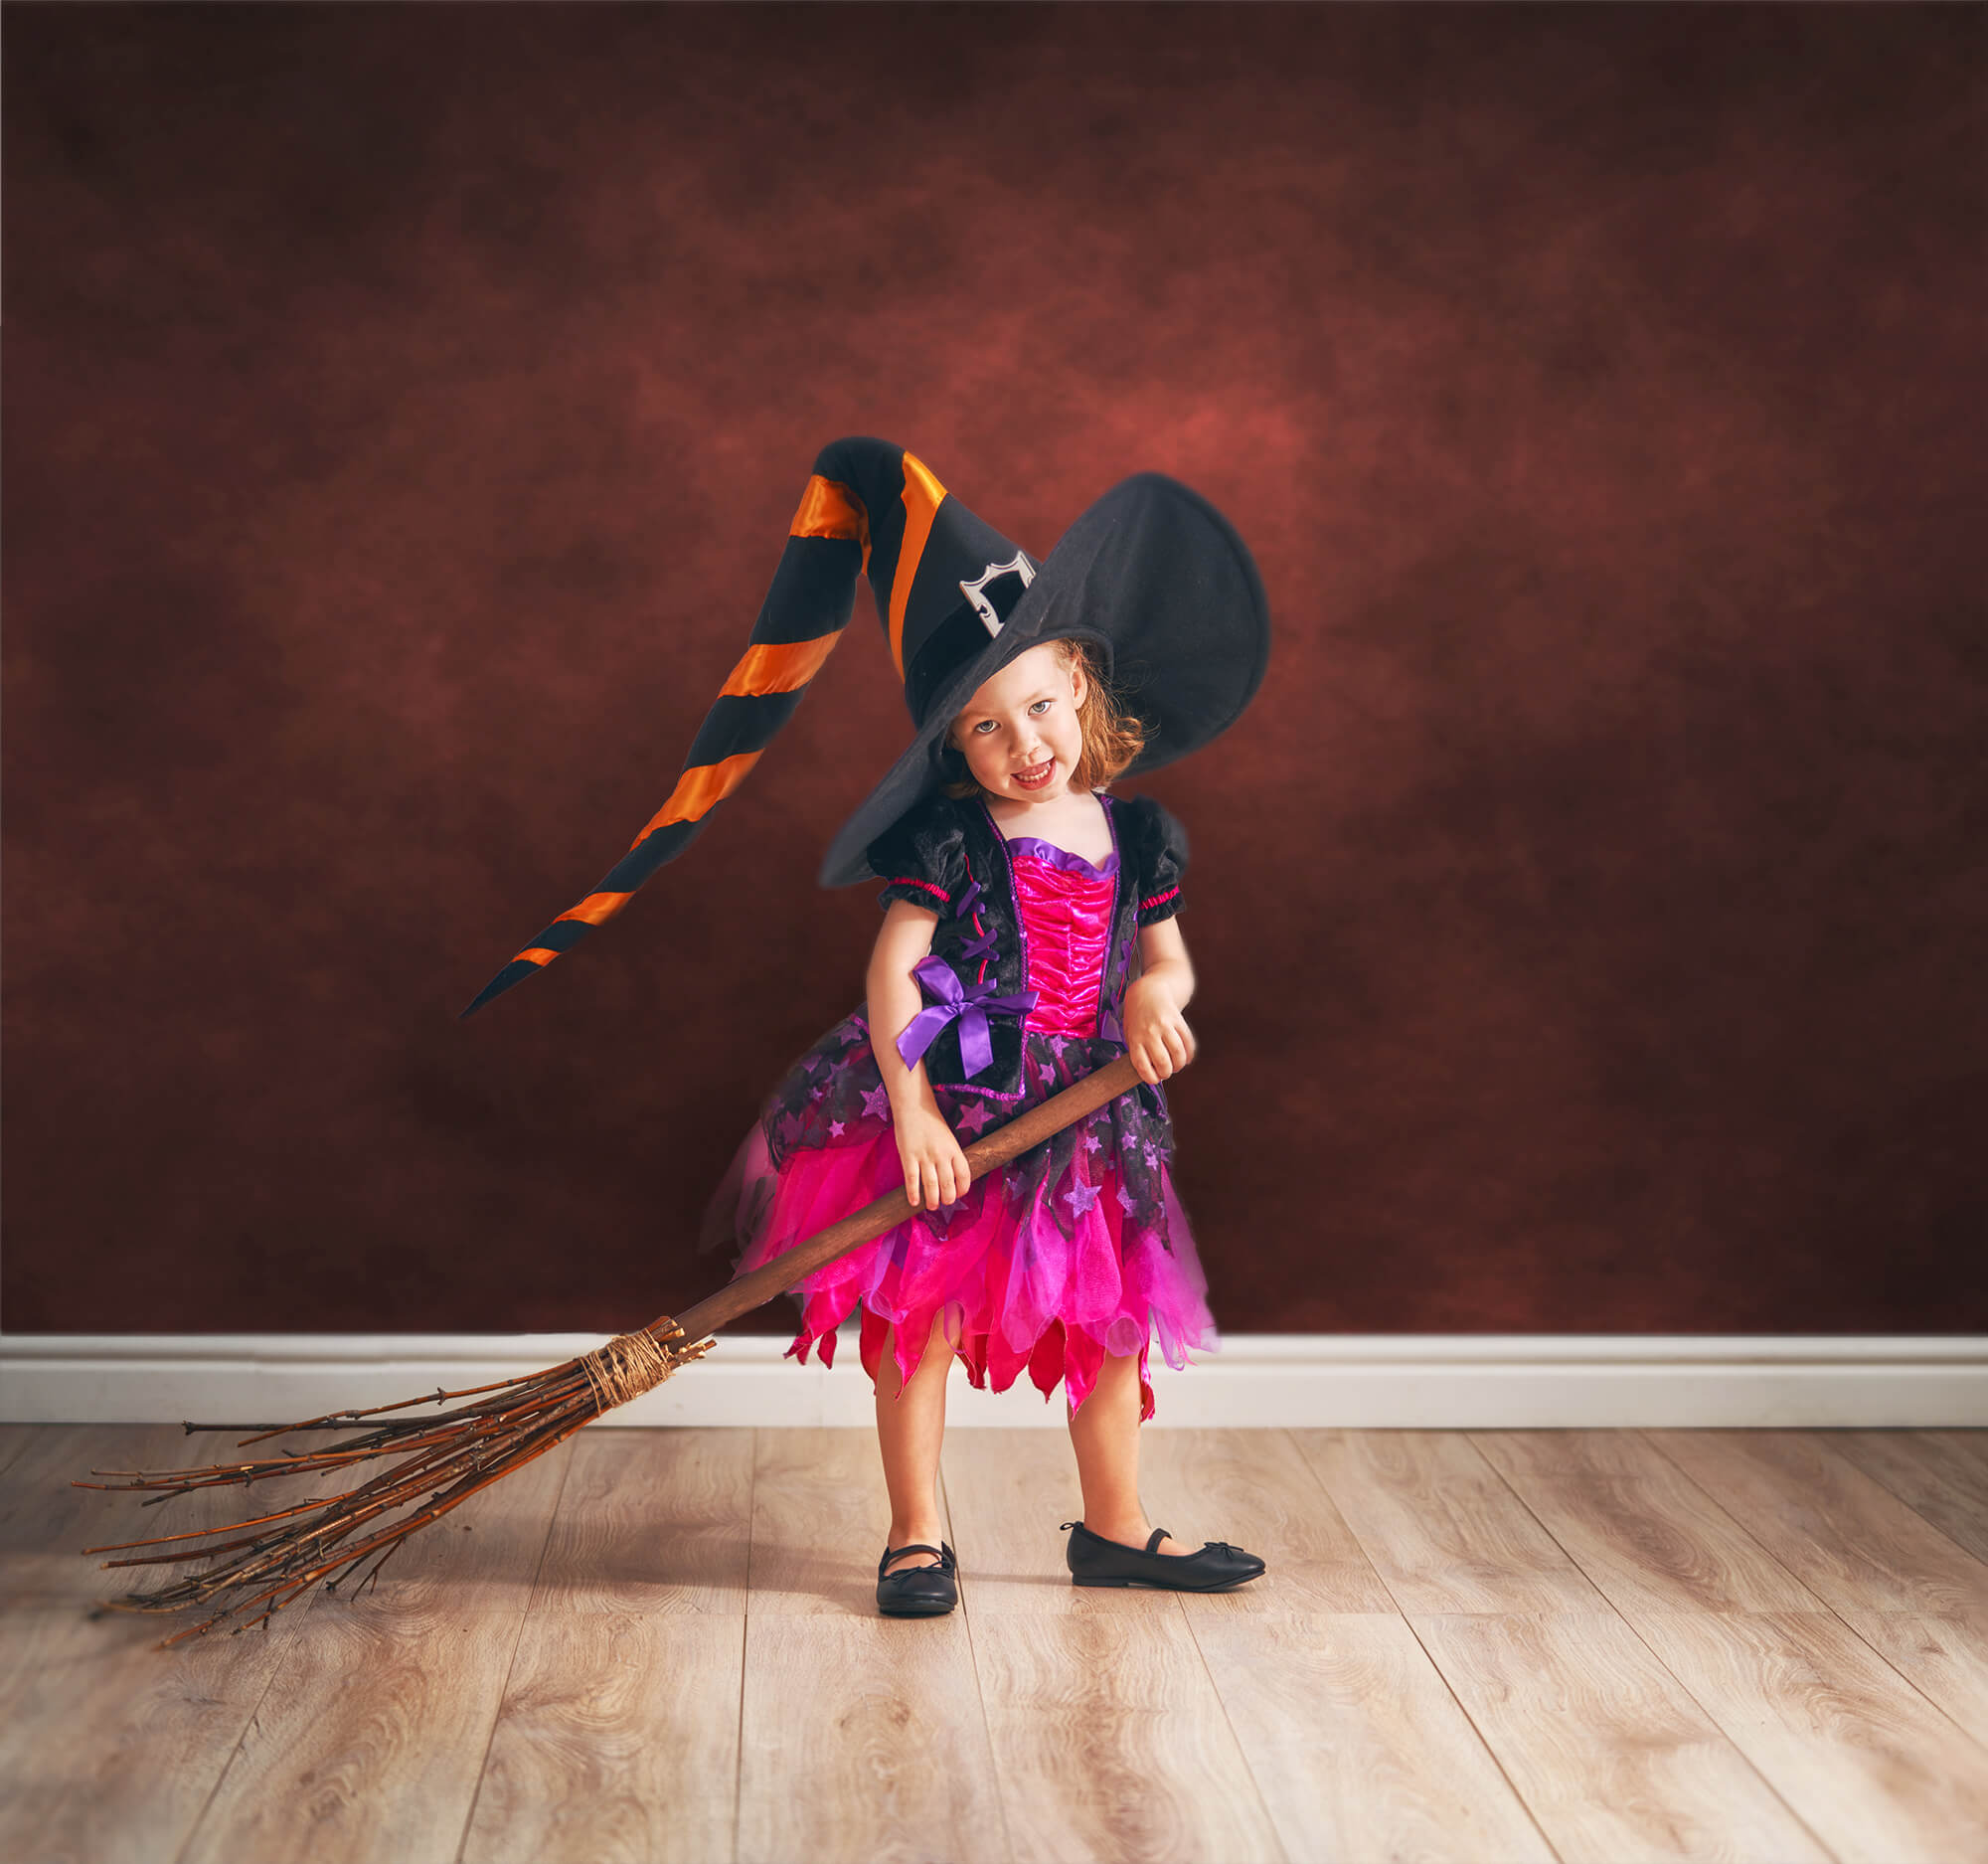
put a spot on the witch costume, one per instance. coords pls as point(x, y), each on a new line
point(1072, 1250)
point(1078, 1248)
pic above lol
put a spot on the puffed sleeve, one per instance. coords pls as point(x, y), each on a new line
point(922, 857)
point(1159, 849)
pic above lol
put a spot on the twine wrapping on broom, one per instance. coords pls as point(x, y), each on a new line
point(632, 1364)
point(448, 1457)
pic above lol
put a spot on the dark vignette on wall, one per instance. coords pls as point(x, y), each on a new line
point(404, 409)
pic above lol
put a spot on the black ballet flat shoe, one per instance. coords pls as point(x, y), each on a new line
point(1096, 1560)
point(918, 1592)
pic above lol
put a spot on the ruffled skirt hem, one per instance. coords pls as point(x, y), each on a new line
point(1076, 1250)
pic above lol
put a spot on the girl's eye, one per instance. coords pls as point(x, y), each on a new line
point(986, 725)
point(1041, 703)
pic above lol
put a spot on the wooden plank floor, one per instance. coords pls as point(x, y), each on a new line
point(1493, 1647)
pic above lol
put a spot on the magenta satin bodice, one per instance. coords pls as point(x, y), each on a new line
point(1066, 906)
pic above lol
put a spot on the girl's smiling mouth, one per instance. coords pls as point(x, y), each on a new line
point(1037, 776)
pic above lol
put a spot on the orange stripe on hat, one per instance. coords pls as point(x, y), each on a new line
point(829, 508)
point(779, 668)
point(597, 907)
point(802, 618)
point(698, 790)
point(923, 497)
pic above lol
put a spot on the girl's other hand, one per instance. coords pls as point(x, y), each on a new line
point(1156, 1033)
point(935, 1169)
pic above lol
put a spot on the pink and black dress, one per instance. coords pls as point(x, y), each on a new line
point(1079, 1246)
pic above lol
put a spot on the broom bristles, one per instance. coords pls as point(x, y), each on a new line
point(460, 1453)
point(449, 1457)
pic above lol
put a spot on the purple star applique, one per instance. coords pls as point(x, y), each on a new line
point(1079, 1198)
point(1091, 1142)
point(1152, 1155)
point(815, 1094)
point(1127, 1201)
point(976, 1117)
point(876, 1102)
point(835, 1129)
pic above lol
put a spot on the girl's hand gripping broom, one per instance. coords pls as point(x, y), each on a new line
point(448, 1457)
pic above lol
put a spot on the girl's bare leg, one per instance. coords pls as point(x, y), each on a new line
point(1104, 1432)
point(909, 1429)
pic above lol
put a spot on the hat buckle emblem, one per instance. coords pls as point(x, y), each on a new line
point(975, 591)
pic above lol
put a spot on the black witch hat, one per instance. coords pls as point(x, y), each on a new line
point(1152, 577)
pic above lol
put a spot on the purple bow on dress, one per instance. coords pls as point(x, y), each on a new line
point(972, 1004)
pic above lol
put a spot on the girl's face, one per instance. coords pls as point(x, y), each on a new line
point(1020, 732)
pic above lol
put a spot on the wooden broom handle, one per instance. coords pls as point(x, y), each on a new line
point(893, 1207)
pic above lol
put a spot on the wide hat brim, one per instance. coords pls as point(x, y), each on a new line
point(1158, 579)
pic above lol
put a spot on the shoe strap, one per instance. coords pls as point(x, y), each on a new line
point(1159, 1534)
point(1153, 1540)
point(917, 1546)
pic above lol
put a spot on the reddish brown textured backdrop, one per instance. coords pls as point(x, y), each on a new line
point(405, 408)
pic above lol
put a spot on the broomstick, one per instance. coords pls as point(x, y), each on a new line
point(448, 1457)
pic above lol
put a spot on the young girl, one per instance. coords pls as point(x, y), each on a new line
point(1016, 894)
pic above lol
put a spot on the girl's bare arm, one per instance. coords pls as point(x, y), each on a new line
point(1156, 1033)
point(935, 1169)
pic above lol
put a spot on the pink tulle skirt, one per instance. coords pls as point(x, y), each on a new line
point(1077, 1249)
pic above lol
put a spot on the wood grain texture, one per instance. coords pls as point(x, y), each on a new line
point(1945, 1659)
point(663, 1645)
point(1968, 1447)
point(14, 1439)
point(820, 1515)
point(1881, 1777)
point(1441, 1526)
point(1647, 1535)
point(46, 1521)
point(329, 1770)
point(387, 1769)
point(652, 1521)
point(1357, 1745)
point(1609, 1751)
point(109, 1747)
point(1255, 1489)
point(1936, 1473)
point(1847, 1537)
point(616, 1743)
point(1111, 1742)
point(862, 1741)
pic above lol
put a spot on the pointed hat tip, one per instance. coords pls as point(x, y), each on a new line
point(513, 974)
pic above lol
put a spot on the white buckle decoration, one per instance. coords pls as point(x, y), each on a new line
point(975, 592)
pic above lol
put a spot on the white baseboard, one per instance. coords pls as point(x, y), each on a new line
point(1427, 1381)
